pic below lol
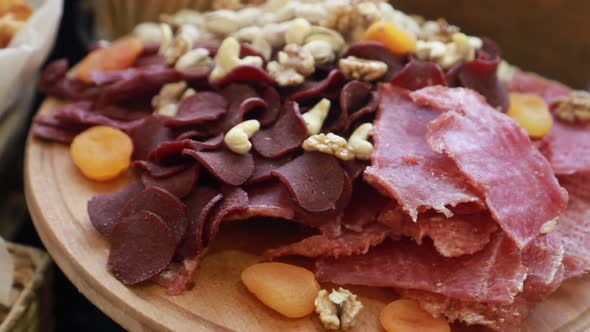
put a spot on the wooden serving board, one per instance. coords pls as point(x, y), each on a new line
point(57, 194)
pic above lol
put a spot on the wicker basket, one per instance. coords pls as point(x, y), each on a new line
point(31, 310)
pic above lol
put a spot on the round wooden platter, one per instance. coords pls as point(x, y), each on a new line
point(57, 194)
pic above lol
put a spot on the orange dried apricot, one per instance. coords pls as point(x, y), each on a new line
point(396, 40)
point(407, 316)
point(119, 55)
point(532, 113)
point(288, 289)
point(102, 153)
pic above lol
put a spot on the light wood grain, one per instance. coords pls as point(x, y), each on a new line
point(57, 195)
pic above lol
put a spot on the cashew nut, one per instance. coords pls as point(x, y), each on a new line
point(247, 34)
point(297, 30)
point(315, 117)
point(148, 32)
point(228, 57)
point(167, 38)
point(321, 51)
point(334, 38)
point(248, 16)
point(237, 139)
point(197, 59)
point(221, 22)
point(359, 141)
point(261, 45)
point(189, 92)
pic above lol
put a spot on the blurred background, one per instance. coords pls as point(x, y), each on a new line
point(546, 36)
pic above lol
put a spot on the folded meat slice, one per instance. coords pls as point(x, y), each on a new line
point(543, 259)
point(404, 167)
point(347, 244)
point(492, 275)
point(497, 157)
point(452, 237)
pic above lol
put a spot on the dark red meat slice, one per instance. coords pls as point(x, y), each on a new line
point(108, 77)
point(104, 209)
point(124, 112)
point(201, 107)
point(150, 133)
point(286, 135)
point(80, 114)
point(236, 94)
point(54, 82)
point(142, 245)
point(228, 167)
point(493, 275)
point(273, 106)
point(162, 203)
point(568, 148)
point(376, 51)
point(357, 100)
point(526, 82)
point(235, 200)
point(354, 168)
point(179, 184)
point(200, 204)
point(269, 199)
point(404, 167)
point(497, 157)
point(150, 60)
point(244, 74)
point(347, 244)
point(453, 237)
point(315, 180)
point(263, 167)
point(158, 171)
point(316, 90)
point(170, 152)
point(418, 74)
point(55, 134)
point(365, 206)
point(481, 75)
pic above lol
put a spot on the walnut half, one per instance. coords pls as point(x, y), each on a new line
point(574, 108)
point(362, 69)
point(338, 309)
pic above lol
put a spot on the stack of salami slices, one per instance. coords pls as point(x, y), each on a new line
point(457, 207)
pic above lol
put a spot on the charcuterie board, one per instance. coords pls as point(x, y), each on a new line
point(57, 194)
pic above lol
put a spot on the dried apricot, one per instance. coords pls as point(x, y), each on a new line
point(102, 153)
point(119, 55)
point(532, 113)
point(407, 316)
point(396, 40)
point(287, 289)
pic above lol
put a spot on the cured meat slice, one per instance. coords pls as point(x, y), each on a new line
point(315, 180)
point(526, 82)
point(179, 184)
point(497, 157)
point(273, 106)
point(142, 246)
point(200, 203)
point(162, 203)
point(80, 114)
point(574, 226)
point(568, 148)
point(453, 237)
point(376, 51)
point(263, 167)
point(150, 133)
point(286, 135)
point(201, 107)
point(171, 152)
point(55, 82)
point(228, 167)
point(404, 167)
point(104, 209)
point(158, 171)
point(347, 244)
point(481, 75)
point(316, 90)
point(235, 200)
point(357, 100)
point(365, 205)
point(269, 199)
point(418, 74)
point(493, 275)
